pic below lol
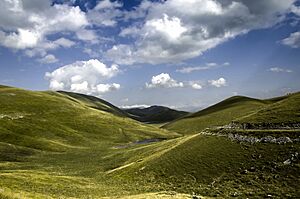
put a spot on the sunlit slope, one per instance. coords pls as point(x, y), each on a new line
point(216, 115)
point(216, 166)
point(95, 103)
point(286, 110)
point(51, 121)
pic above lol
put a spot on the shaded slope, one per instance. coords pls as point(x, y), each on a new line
point(219, 114)
point(155, 114)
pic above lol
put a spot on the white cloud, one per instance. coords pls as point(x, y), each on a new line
point(135, 106)
point(103, 88)
point(208, 66)
point(218, 83)
point(176, 30)
point(64, 42)
point(211, 64)
point(55, 85)
point(48, 59)
point(20, 39)
point(280, 70)
point(87, 35)
point(105, 13)
point(192, 69)
point(163, 80)
point(295, 10)
point(293, 40)
point(196, 86)
point(25, 24)
point(84, 77)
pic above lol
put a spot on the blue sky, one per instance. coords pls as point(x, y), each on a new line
point(186, 54)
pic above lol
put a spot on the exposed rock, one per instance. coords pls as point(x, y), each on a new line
point(261, 126)
point(287, 162)
point(252, 169)
point(253, 140)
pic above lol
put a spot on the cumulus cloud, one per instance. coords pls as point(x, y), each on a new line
point(176, 30)
point(67, 43)
point(280, 70)
point(25, 24)
point(218, 83)
point(48, 59)
point(87, 35)
point(293, 40)
point(163, 80)
point(196, 86)
point(105, 13)
point(295, 10)
point(84, 77)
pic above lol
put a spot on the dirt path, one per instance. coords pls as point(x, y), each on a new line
point(157, 154)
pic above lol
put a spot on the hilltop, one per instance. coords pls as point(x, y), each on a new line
point(240, 109)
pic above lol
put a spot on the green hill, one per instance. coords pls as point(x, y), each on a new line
point(217, 167)
point(219, 114)
point(53, 121)
point(285, 110)
point(155, 114)
point(68, 145)
point(94, 102)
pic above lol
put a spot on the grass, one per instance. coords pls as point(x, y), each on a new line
point(64, 145)
point(216, 115)
point(285, 109)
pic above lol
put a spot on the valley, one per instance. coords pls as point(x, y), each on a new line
point(68, 145)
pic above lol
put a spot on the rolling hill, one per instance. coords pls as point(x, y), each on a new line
point(68, 145)
point(239, 109)
point(282, 110)
point(155, 114)
point(57, 121)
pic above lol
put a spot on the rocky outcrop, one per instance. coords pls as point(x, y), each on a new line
point(253, 140)
point(262, 126)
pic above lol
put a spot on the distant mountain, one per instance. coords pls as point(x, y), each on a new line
point(155, 114)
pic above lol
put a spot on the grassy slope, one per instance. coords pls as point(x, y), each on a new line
point(63, 148)
point(95, 103)
point(213, 166)
point(216, 115)
point(286, 110)
point(45, 134)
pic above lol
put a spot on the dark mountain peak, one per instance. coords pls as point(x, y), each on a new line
point(155, 114)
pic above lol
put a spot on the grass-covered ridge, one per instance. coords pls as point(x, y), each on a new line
point(240, 109)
